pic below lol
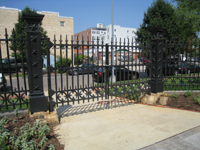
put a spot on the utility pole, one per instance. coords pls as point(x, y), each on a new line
point(112, 49)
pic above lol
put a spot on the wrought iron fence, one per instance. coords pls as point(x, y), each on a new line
point(83, 70)
point(85, 74)
point(13, 74)
point(181, 66)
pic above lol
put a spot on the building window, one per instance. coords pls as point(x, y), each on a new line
point(127, 31)
point(115, 30)
point(62, 23)
point(132, 31)
point(108, 36)
point(93, 32)
point(93, 37)
point(98, 32)
point(62, 47)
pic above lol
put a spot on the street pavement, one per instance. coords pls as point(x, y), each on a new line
point(127, 126)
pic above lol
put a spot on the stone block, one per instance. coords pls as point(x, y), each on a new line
point(46, 116)
point(151, 99)
point(163, 100)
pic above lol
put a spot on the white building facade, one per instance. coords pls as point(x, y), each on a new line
point(103, 34)
point(123, 37)
point(99, 33)
point(121, 33)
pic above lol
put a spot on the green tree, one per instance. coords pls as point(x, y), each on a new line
point(188, 12)
point(80, 59)
point(61, 64)
point(18, 47)
point(160, 14)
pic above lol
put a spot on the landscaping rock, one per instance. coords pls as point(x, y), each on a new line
point(163, 100)
point(151, 99)
point(148, 100)
point(48, 116)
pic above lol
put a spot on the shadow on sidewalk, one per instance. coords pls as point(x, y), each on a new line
point(70, 110)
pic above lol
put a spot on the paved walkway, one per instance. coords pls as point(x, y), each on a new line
point(127, 126)
point(188, 140)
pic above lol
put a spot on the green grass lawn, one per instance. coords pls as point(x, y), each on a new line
point(11, 108)
point(19, 75)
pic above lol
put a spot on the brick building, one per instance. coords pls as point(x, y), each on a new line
point(52, 23)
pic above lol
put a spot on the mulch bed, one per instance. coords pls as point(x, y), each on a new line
point(182, 102)
point(22, 120)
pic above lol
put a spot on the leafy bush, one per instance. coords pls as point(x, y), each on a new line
point(197, 99)
point(28, 137)
point(79, 60)
point(63, 63)
point(188, 93)
point(133, 96)
point(174, 95)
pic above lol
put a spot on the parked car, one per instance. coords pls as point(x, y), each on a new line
point(188, 68)
point(13, 66)
point(3, 82)
point(126, 58)
point(142, 58)
point(195, 59)
point(120, 72)
point(145, 60)
point(82, 69)
point(168, 69)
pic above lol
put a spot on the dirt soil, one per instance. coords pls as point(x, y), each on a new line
point(183, 102)
point(22, 120)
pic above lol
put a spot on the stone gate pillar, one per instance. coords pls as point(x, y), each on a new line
point(38, 101)
point(156, 68)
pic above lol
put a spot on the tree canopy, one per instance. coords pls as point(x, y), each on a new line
point(176, 21)
point(189, 16)
point(19, 47)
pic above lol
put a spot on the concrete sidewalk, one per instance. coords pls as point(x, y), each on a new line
point(126, 126)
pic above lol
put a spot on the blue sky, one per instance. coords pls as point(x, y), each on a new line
point(87, 13)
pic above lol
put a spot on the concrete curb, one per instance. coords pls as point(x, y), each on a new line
point(181, 92)
point(12, 113)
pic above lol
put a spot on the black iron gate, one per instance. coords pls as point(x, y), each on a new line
point(92, 80)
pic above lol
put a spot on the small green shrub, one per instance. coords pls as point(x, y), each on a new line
point(79, 60)
point(63, 64)
point(16, 112)
point(133, 96)
point(174, 95)
point(197, 99)
point(26, 138)
point(188, 93)
point(51, 147)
